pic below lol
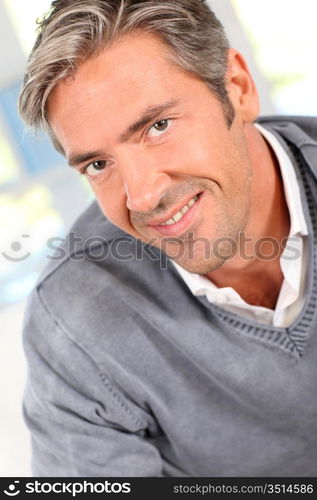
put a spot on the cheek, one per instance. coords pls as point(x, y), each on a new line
point(112, 201)
point(200, 153)
point(191, 155)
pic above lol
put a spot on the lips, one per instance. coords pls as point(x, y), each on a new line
point(175, 215)
point(180, 214)
point(180, 219)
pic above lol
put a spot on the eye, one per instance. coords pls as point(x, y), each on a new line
point(95, 167)
point(159, 128)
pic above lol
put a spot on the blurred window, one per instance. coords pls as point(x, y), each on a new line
point(9, 169)
point(39, 196)
point(35, 151)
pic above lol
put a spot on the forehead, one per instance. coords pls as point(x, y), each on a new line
point(111, 89)
point(137, 59)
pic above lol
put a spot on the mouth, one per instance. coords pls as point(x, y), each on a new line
point(181, 218)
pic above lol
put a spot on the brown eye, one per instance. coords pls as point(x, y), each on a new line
point(159, 127)
point(95, 167)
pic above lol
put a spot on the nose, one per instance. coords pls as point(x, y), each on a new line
point(144, 181)
point(144, 192)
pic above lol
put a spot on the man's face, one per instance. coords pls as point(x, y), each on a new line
point(154, 144)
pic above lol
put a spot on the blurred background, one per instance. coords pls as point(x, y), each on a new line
point(40, 197)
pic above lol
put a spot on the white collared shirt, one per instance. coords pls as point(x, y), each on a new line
point(292, 293)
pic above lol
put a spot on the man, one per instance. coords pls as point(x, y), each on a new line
point(178, 336)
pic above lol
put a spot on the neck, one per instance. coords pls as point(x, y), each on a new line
point(255, 272)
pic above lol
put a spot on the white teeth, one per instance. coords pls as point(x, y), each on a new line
point(179, 215)
point(185, 209)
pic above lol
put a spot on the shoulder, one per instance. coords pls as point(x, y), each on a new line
point(298, 129)
point(298, 134)
point(90, 232)
point(100, 278)
point(93, 247)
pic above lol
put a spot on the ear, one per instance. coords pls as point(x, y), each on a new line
point(241, 88)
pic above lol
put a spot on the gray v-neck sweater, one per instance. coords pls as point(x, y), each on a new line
point(131, 375)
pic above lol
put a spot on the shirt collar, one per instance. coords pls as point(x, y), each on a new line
point(290, 184)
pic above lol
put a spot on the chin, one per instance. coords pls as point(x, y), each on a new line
point(200, 266)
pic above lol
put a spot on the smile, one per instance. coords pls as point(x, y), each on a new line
point(180, 214)
point(181, 220)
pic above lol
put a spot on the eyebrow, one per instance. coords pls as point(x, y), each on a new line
point(149, 115)
point(76, 159)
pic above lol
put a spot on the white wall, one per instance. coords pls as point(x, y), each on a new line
point(14, 438)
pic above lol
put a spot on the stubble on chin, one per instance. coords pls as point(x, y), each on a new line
point(204, 255)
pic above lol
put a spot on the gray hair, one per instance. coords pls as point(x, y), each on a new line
point(75, 30)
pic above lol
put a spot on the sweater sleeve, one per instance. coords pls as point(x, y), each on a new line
point(80, 423)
